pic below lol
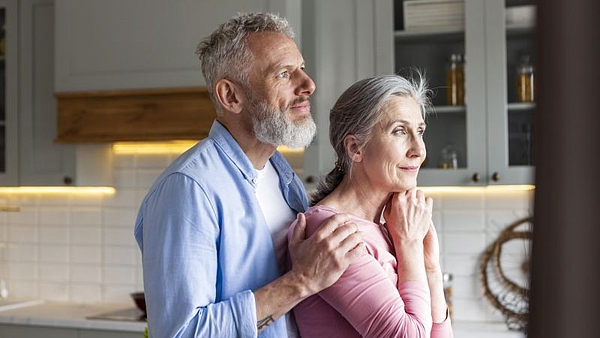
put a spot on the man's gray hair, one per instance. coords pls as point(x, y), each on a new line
point(225, 53)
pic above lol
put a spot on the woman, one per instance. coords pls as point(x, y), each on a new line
point(396, 290)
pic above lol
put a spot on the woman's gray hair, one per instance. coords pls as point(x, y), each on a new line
point(225, 53)
point(358, 110)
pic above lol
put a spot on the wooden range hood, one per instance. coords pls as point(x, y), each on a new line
point(134, 115)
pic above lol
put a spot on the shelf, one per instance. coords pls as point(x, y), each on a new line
point(521, 106)
point(449, 109)
point(433, 35)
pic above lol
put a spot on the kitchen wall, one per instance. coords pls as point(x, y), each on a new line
point(79, 248)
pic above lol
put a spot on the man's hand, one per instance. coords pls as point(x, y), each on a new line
point(321, 259)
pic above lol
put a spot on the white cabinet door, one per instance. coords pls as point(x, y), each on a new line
point(115, 44)
point(339, 40)
point(41, 161)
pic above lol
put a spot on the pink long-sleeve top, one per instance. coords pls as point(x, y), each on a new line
point(365, 301)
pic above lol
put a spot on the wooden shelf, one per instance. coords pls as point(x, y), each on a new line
point(134, 115)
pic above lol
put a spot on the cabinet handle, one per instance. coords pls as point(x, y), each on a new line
point(67, 180)
point(476, 177)
point(495, 177)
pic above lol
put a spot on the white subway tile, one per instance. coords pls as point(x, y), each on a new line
point(85, 292)
point(120, 255)
point(54, 234)
point(86, 216)
point(85, 273)
point(117, 236)
point(463, 243)
point(54, 291)
point(86, 254)
point(86, 235)
point(463, 220)
point(56, 273)
point(52, 253)
point(119, 217)
point(114, 274)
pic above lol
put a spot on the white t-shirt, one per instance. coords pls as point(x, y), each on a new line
point(279, 216)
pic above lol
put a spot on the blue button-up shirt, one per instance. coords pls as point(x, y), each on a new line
point(205, 242)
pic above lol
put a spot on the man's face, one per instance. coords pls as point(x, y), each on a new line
point(279, 93)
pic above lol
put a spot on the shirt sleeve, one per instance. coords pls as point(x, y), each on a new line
point(367, 298)
point(373, 305)
point(179, 248)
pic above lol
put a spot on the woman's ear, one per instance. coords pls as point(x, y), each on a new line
point(353, 147)
point(229, 95)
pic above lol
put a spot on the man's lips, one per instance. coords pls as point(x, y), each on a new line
point(301, 107)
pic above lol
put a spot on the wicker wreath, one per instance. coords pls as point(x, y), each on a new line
point(505, 294)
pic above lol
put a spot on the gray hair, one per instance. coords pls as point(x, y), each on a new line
point(225, 53)
point(358, 110)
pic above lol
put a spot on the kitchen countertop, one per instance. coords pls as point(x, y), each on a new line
point(75, 315)
point(71, 315)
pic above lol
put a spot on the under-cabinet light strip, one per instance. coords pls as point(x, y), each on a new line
point(58, 190)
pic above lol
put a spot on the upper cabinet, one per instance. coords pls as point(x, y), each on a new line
point(28, 154)
point(8, 92)
point(343, 41)
point(480, 65)
point(115, 44)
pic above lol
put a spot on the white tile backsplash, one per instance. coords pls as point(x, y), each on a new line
point(81, 248)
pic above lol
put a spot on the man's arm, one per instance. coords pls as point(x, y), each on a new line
point(317, 262)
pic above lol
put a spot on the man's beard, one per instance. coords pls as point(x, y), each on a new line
point(275, 127)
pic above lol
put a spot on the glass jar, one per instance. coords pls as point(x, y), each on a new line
point(525, 80)
point(455, 80)
point(448, 158)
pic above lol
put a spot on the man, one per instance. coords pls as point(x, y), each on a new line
point(212, 228)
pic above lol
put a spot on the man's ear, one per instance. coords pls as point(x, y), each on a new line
point(229, 95)
point(353, 148)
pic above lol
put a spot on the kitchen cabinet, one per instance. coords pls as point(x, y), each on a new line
point(339, 44)
point(8, 92)
point(41, 161)
point(491, 134)
point(28, 154)
point(114, 44)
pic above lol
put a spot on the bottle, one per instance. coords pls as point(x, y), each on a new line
point(448, 158)
point(525, 80)
point(447, 277)
point(455, 80)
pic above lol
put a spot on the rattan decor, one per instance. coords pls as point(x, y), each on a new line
point(504, 272)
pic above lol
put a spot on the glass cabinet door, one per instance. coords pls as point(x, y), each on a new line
point(8, 92)
point(442, 42)
point(511, 93)
point(482, 132)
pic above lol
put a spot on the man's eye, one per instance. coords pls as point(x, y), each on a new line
point(283, 75)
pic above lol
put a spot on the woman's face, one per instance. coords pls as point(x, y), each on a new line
point(392, 158)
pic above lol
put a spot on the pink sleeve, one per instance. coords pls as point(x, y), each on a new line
point(367, 298)
point(369, 301)
point(442, 330)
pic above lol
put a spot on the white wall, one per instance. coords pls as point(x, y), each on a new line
point(82, 249)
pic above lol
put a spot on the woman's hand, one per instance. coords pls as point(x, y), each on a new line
point(431, 247)
point(408, 216)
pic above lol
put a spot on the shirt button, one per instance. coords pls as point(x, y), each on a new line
point(254, 180)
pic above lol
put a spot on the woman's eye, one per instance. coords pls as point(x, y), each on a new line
point(400, 131)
